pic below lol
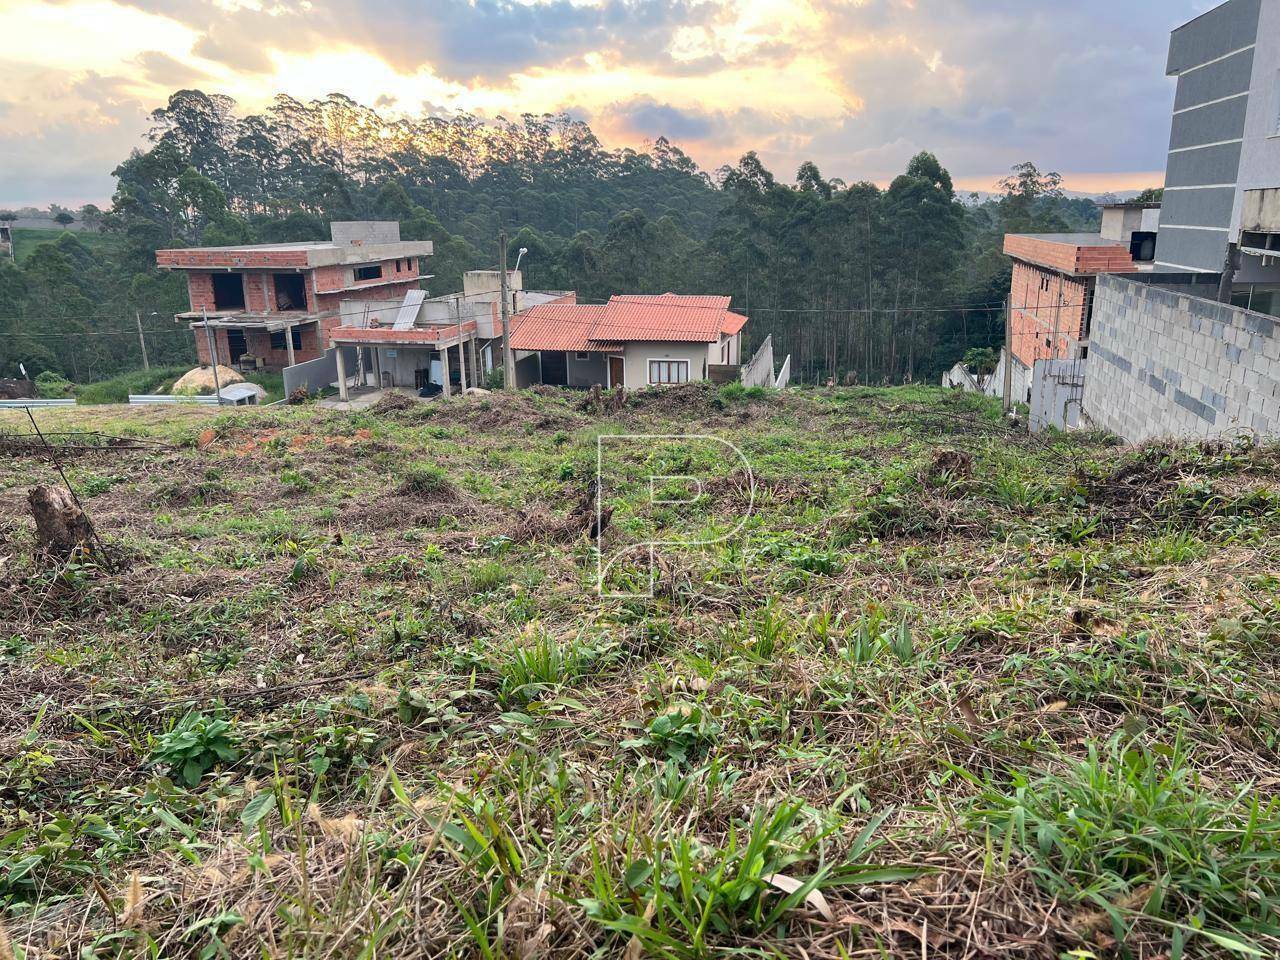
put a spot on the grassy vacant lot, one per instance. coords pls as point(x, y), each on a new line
point(350, 691)
point(26, 239)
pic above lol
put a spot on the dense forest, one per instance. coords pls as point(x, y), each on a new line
point(855, 281)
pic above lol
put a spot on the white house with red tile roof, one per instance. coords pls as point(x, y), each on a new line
point(435, 344)
point(634, 340)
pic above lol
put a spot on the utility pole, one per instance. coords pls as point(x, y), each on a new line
point(213, 353)
point(142, 341)
point(1008, 359)
point(508, 358)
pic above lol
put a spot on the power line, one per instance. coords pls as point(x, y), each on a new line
point(89, 333)
point(95, 316)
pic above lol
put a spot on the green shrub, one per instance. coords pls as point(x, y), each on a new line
point(424, 478)
point(526, 670)
point(195, 745)
point(684, 732)
point(118, 388)
point(733, 392)
point(52, 386)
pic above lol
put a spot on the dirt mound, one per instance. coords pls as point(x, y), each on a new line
point(16, 389)
point(677, 398)
point(1138, 486)
point(540, 526)
point(393, 403)
point(200, 379)
point(400, 512)
point(952, 464)
point(509, 411)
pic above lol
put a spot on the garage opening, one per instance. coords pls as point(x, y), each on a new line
point(291, 291)
point(228, 291)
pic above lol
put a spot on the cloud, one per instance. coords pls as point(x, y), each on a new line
point(647, 118)
point(65, 150)
point(164, 71)
point(857, 86)
point(988, 83)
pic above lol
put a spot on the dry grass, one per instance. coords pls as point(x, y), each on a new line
point(440, 741)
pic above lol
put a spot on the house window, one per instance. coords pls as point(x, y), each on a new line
point(277, 339)
point(291, 291)
point(228, 291)
point(668, 371)
point(373, 272)
point(582, 356)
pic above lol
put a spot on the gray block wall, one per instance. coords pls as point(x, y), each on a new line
point(345, 232)
point(1163, 364)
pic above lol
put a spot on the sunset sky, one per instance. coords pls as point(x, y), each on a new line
point(858, 86)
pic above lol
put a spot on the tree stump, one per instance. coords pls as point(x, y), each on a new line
point(594, 402)
point(62, 529)
point(619, 400)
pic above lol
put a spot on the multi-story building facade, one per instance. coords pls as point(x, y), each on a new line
point(272, 305)
point(1222, 179)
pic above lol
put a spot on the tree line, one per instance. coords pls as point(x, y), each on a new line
point(855, 281)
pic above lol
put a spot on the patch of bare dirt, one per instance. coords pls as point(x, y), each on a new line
point(585, 518)
point(948, 464)
point(393, 403)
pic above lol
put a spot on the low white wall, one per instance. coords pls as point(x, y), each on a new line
point(758, 371)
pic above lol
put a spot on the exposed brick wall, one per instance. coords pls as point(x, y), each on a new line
point(259, 286)
point(1067, 257)
point(202, 345)
point(259, 343)
point(246, 258)
point(337, 278)
point(257, 290)
point(200, 291)
point(1047, 312)
point(1165, 364)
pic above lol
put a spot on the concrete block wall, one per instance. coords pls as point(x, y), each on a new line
point(364, 231)
point(1163, 364)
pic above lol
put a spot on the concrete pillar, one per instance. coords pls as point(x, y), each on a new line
point(462, 364)
point(444, 366)
point(288, 343)
point(377, 367)
point(342, 377)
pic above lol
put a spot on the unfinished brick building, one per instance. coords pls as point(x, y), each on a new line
point(268, 306)
point(1051, 294)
